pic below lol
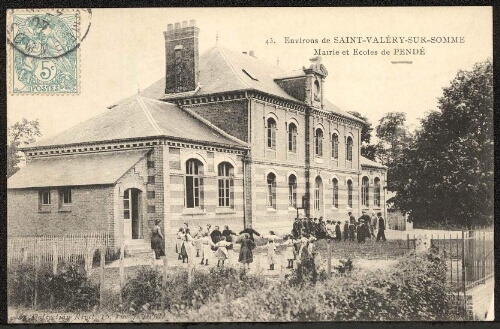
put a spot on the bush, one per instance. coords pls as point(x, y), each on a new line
point(143, 292)
point(69, 289)
point(414, 290)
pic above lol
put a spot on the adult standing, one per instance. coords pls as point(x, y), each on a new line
point(381, 227)
point(246, 254)
point(228, 233)
point(187, 246)
point(352, 226)
point(178, 243)
point(297, 228)
point(215, 235)
point(321, 233)
point(157, 243)
point(373, 224)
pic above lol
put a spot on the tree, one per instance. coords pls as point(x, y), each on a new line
point(448, 167)
point(393, 137)
point(367, 150)
point(20, 134)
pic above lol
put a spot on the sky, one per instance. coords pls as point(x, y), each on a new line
point(124, 51)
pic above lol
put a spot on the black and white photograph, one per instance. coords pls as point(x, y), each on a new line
point(254, 164)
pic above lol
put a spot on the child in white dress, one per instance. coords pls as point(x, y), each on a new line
point(222, 253)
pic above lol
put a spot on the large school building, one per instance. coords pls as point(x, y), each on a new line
point(224, 138)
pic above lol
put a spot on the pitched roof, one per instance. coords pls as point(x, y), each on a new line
point(76, 170)
point(369, 163)
point(225, 70)
point(139, 117)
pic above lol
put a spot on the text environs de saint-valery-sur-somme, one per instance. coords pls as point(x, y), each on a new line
point(402, 45)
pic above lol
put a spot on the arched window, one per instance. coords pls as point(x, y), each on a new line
point(292, 137)
point(318, 193)
point(271, 190)
point(335, 193)
point(317, 91)
point(292, 191)
point(225, 184)
point(271, 133)
point(376, 192)
point(348, 146)
point(349, 193)
point(335, 146)
point(194, 183)
point(365, 191)
point(318, 142)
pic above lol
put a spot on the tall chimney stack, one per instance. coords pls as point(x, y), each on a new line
point(182, 57)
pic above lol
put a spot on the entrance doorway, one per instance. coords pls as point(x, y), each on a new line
point(132, 214)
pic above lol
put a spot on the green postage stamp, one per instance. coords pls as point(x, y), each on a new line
point(43, 51)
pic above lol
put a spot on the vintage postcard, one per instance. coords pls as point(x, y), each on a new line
point(250, 164)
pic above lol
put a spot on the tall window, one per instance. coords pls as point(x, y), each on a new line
point(271, 133)
point(194, 183)
point(292, 137)
point(349, 193)
point(292, 191)
point(126, 204)
point(335, 193)
point(348, 146)
point(335, 146)
point(364, 191)
point(271, 190)
point(318, 142)
point(376, 192)
point(225, 183)
point(318, 193)
point(317, 91)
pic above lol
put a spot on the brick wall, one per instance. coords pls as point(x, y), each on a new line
point(91, 210)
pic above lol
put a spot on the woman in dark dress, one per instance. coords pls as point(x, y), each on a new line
point(247, 245)
point(157, 240)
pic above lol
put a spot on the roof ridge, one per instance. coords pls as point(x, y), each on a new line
point(212, 126)
point(231, 66)
point(149, 116)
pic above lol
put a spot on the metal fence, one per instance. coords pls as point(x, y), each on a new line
point(468, 255)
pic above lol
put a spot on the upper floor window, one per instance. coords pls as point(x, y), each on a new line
point(318, 142)
point(292, 137)
point(376, 192)
point(335, 193)
point(364, 191)
point(271, 133)
point(292, 191)
point(225, 184)
point(271, 190)
point(348, 152)
point(349, 193)
point(335, 146)
point(194, 183)
point(317, 91)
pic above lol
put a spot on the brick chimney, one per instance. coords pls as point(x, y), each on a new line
point(182, 56)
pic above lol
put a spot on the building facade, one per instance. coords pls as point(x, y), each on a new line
point(224, 138)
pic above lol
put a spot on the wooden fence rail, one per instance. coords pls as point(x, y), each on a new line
point(72, 247)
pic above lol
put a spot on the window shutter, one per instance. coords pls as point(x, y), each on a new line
point(202, 188)
point(274, 194)
point(231, 193)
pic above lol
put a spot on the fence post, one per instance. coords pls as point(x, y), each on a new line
point(408, 241)
point(122, 272)
point(164, 291)
point(36, 281)
point(282, 271)
point(329, 255)
point(484, 258)
point(190, 269)
point(101, 290)
point(55, 258)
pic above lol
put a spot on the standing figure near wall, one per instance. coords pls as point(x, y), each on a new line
point(187, 246)
point(206, 248)
point(178, 242)
point(157, 243)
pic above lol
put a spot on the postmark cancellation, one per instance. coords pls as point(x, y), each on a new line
point(43, 51)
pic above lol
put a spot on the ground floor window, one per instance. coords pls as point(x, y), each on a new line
point(349, 193)
point(271, 190)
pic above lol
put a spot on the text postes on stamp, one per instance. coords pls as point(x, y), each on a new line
point(44, 51)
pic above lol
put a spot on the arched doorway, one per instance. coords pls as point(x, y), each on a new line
point(132, 214)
